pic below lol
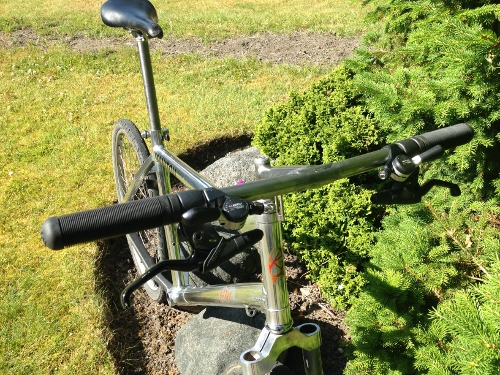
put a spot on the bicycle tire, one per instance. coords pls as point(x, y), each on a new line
point(129, 151)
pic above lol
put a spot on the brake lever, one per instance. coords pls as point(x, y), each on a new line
point(209, 248)
point(401, 194)
point(404, 171)
point(190, 264)
point(454, 188)
point(200, 260)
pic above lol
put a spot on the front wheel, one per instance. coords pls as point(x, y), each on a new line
point(129, 153)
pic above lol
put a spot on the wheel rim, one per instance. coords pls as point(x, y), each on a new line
point(128, 163)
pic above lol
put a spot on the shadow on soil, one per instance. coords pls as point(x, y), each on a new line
point(113, 270)
point(200, 157)
point(141, 338)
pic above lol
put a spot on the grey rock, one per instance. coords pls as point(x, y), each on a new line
point(211, 343)
point(235, 166)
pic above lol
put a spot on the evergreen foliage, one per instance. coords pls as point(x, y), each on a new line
point(435, 64)
point(441, 68)
point(332, 227)
point(464, 336)
point(422, 257)
point(423, 289)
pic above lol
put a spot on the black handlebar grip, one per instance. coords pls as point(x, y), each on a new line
point(111, 221)
point(448, 137)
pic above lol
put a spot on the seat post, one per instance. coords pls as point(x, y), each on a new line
point(149, 86)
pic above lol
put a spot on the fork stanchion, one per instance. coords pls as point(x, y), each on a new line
point(312, 358)
point(278, 316)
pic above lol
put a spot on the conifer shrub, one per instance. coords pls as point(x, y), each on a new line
point(432, 66)
point(466, 329)
point(421, 291)
point(330, 228)
point(424, 255)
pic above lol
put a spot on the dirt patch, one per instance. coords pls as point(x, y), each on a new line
point(141, 339)
point(297, 48)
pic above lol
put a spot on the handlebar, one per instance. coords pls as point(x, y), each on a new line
point(118, 220)
point(135, 216)
point(447, 138)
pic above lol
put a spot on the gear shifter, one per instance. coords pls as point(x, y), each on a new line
point(404, 171)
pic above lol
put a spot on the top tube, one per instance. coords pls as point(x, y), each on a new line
point(182, 171)
point(308, 177)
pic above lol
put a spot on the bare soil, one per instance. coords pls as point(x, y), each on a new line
point(141, 339)
point(297, 48)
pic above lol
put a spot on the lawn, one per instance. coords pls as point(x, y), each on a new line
point(59, 109)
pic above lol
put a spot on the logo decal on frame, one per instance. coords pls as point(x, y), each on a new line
point(275, 264)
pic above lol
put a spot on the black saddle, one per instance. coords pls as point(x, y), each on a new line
point(132, 14)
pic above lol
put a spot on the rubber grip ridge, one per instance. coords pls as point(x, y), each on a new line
point(107, 222)
point(449, 137)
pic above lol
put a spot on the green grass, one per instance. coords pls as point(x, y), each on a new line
point(205, 19)
point(56, 159)
point(58, 111)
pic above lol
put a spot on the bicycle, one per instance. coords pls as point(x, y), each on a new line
point(176, 231)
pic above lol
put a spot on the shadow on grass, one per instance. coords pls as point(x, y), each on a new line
point(113, 272)
point(114, 269)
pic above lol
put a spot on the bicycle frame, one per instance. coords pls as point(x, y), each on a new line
point(270, 296)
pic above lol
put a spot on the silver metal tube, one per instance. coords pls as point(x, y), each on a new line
point(263, 168)
point(187, 175)
point(190, 178)
point(233, 295)
point(171, 237)
point(278, 317)
point(312, 357)
point(148, 80)
point(308, 177)
point(138, 179)
point(179, 279)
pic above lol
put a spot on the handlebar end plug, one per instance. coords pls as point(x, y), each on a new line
point(51, 234)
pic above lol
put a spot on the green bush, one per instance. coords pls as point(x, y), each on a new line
point(466, 330)
point(443, 70)
point(332, 227)
point(433, 64)
point(422, 257)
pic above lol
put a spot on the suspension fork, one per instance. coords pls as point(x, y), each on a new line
point(278, 317)
point(278, 335)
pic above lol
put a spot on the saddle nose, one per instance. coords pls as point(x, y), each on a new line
point(132, 14)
